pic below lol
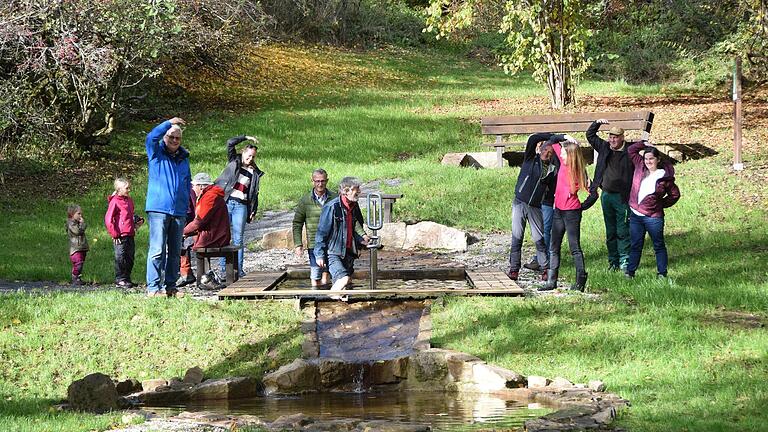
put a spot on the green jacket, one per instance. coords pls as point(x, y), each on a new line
point(308, 212)
point(76, 232)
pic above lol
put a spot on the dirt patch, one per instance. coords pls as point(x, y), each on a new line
point(738, 319)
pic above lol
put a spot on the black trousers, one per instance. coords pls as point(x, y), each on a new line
point(125, 248)
point(566, 222)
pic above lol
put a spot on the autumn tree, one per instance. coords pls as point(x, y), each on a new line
point(547, 37)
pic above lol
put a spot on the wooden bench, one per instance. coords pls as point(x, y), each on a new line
point(387, 201)
point(525, 125)
point(229, 253)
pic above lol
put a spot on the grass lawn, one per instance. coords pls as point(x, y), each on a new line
point(689, 352)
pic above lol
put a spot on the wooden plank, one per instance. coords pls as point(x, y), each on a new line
point(369, 293)
point(566, 118)
point(262, 282)
point(531, 128)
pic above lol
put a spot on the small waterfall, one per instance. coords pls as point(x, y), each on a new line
point(358, 380)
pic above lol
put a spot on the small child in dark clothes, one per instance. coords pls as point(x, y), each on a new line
point(78, 244)
point(122, 223)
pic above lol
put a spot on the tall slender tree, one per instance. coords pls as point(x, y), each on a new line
point(547, 37)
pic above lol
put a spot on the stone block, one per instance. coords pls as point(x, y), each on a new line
point(535, 381)
point(490, 378)
point(481, 160)
point(300, 376)
point(128, 386)
point(94, 393)
point(392, 235)
point(193, 375)
point(164, 397)
point(453, 159)
point(560, 382)
point(431, 235)
point(152, 384)
point(428, 368)
point(389, 371)
point(226, 388)
point(278, 239)
point(596, 385)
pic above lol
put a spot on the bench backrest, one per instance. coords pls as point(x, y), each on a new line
point(513, 125)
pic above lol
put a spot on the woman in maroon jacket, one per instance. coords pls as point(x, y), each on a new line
point(653, 190)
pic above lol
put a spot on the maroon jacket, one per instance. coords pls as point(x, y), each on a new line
point(667, 193)
point(119, 216)
point(211, 222)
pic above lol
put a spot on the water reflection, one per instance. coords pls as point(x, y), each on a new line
point(443, 411)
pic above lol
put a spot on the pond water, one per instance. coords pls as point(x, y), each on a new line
point(442, 411)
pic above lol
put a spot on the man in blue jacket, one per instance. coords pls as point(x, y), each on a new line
point(167, 202)
point(338, 237)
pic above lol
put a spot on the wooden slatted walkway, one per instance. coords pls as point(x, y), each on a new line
point(483, 282)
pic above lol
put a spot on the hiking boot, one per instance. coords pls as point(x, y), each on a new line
point(186, 280)
point(76, 281)
point(581, 282)
point(125, 284)
point(513, 275)
point(533, 264)
point(156, 294)
point(551, 281)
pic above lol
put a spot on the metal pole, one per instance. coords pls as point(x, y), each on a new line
point(374, 220)
point(738, 165)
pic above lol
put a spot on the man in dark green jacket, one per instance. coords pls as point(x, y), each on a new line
point(308, 213)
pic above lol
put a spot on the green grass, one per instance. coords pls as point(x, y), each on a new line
point(662, 344)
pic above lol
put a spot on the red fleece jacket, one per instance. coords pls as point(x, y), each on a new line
point(211, 222)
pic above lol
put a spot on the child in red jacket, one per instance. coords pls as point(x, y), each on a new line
point(122, 223)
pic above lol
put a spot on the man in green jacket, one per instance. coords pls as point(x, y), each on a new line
point(308, 213)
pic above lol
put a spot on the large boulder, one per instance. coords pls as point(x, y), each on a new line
point(431, 235)
point(94, 393)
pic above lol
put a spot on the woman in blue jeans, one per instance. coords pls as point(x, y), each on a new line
point(653, 190)
point(240, 181)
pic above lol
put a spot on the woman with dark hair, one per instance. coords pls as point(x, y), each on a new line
point(240, 181)
point(653, 190)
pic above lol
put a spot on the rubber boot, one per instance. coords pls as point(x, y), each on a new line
point(551, 281)
point(581, 282)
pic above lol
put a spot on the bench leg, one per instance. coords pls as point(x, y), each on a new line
point(499, 158)
point(231, 267)
point(200, 267)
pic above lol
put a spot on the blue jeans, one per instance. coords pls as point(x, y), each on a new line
point(163, 254)
point(315, 272)
point(238, 216)
point(546, 213)
point(340, 267)
point(654, 226)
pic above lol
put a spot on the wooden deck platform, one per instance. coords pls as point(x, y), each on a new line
point(482, 282)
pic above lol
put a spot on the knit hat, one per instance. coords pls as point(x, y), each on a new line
point(202, 179)
point(616, 131)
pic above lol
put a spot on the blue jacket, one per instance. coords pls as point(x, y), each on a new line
point(331, 237)
point(169, 175)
